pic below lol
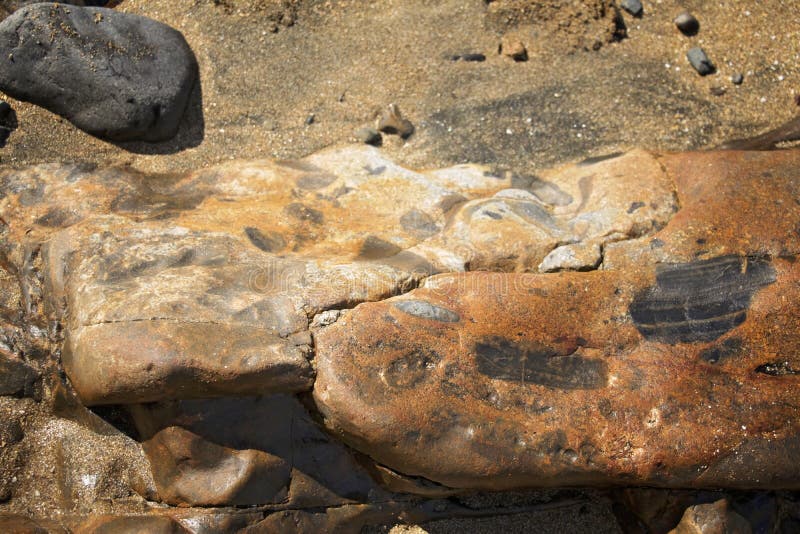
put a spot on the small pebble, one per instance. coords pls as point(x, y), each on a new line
point(737, 78)
point(514, 49)
point(687, 23)
point(699, 60)
point(310, 119)
point(469, 57)
point(718, 91)
point(370, 136)
point(392, 122)
point(634, 7)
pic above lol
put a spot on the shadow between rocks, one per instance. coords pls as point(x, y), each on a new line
point(191, 130)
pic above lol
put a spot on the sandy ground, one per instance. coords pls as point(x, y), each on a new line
point(344, 61)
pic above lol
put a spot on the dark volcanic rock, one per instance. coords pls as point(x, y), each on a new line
point(700, 62)
point(15, 375)
point(117, 76)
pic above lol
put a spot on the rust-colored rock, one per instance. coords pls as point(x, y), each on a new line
point(250, 451)
point(675, 364)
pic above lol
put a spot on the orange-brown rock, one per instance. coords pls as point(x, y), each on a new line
point(674, 364)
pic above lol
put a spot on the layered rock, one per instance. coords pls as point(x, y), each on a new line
point(628, 320)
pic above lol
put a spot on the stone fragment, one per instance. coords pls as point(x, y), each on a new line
point(512, 47)
point(582, 257)
point(737, 78)
point(591, 378)
point(250, 451)
point(117, 76)
point(714, 518)
point(393, 122)
point(699, 61)
point(687, 23)
point(18, 524)
point(634, 7)
point(16, 377)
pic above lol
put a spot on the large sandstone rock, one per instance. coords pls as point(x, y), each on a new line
point(117, 76)
point(675, 364)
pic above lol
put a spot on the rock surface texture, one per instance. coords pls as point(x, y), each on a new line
point(117, 76)
point(339, 341)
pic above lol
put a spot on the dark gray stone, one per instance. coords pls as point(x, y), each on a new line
point(687, 23)
point(634, 7)
point(117, 76)
point(699, 60)
point(737, 78)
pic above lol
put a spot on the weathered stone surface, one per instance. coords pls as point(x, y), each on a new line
point(252, 451)
point(115, 75)
point(217, 299)
point(19, 524)
point(672, 365)
point(713, 518)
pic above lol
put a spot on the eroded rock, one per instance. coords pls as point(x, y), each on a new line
point(594, 378)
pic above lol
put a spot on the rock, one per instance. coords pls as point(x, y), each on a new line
point(393, 122)
point(687, 23)
point(218, 301)
point(700, 62)
point(715, 518)
point(589, 379)
point(370, 136)
point(117, 76)
point(132, 524)
point(583, 257)
point(737, 78)
point(16, 377)
point(18, 524)
point(634, 7)
point(252, 451)
point(471, 56)
point(513, 48)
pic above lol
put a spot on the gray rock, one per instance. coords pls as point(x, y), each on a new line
point(737, 78)
point(687, 23)
point(634, 7)
point(117, 76)
point(699, 60)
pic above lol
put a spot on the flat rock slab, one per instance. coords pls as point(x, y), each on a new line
point(117, 76)
point(674, 365)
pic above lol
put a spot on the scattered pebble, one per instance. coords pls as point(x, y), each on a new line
point(687, 23)
point(718, 91)
point(514, 49)
point(393, 122)
point(737, 78)
point(310, 119)
point(634, 7)
point(370, 136)
point(468, 57)
point(699, 60)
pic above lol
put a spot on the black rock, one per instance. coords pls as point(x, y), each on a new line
point(634, 7)
point(473, 57)
point(117, 76)
point(5, 111)
point(699, 60)
point(687, 23)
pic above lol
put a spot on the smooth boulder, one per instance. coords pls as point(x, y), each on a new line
point(117, 76)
